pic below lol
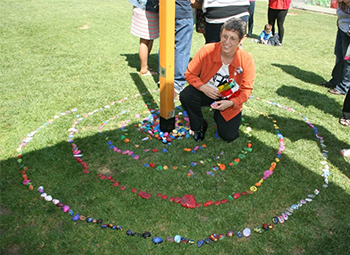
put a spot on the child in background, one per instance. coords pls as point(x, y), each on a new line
point(265, 34)
point(267, 38)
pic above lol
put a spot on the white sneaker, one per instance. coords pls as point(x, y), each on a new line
point(345, 152)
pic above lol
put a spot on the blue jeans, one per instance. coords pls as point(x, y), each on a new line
point(251, 17)
point(340, 74)
point(183, 40)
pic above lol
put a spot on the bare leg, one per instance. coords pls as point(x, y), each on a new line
point(145, 48)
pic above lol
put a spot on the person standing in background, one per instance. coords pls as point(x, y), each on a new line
point(216, 12)
point(183, 40)
point(251, 17)
point(145, 25)
point(278, 10)
point(340, 82)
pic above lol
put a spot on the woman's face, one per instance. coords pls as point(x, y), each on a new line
point(229, 41)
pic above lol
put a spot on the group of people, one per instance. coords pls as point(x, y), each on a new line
point(222, 62)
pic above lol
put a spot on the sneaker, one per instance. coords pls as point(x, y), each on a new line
point(345, 153)
point(200, 134)
point(335, 92)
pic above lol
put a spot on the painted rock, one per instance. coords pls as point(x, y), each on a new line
point(213, 237)
point(170, 239)
point(265, 226)
point(75, 217)
point(146, 234)
point(246, 232)
point(230, 233)
point(177, 238)
point(207, 240)
point(275, 220)
point(236, 195)
point(144, 195)
point(65, 208)
point(188, 201)
point(280, 219)
point(221, 236)
point(200, 243)
point(128, 232)
point(190, 241)
point(257, 230)
point(239, 234)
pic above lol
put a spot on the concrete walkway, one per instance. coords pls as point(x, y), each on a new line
point(302, 6)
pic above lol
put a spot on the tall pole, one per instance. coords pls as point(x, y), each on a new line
point(166, 59)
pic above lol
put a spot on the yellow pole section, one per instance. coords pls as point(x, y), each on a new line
point(166, 59)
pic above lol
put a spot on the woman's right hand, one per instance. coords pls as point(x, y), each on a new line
point(210, 92)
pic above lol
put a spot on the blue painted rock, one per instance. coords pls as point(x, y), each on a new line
point(128, 232)
point(75, 217)
point(200, 243)
point(239, 234)
point(207, 240)
point(157, 240)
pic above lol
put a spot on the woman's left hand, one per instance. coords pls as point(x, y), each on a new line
point(222, 105)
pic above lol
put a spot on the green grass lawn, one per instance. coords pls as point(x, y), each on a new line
point(73, 65)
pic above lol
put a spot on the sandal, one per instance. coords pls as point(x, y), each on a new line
point(344, 122)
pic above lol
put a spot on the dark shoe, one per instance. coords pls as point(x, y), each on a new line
point(326, 84)
point(336, 92)
point(200, 134)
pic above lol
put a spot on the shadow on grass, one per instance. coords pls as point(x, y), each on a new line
point(310, 98)
point(134, 62)
point(305, 76)
point(56, 169)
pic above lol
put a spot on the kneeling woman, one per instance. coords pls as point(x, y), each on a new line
point(213, 65)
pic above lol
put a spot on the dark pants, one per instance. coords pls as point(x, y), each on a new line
point(251, 17)
point(280, 16)
point(212, 31)
point(341, 67)
point(346, 107)
point(193, 100)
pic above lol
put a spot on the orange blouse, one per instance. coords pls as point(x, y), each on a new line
point(207, 62)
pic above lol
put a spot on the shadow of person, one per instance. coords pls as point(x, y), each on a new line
point(305, 76)
point(311, 98)
point(134, 62)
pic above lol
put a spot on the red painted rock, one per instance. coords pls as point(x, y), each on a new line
point(133, 190)
point(177, 200)
point(144, 195)
point(188, 201)
point(172, 199)
point(224, 201)
point(164, 197)
point(208, 203)
point(217, 203)
point(236, 195)
point(116, 184)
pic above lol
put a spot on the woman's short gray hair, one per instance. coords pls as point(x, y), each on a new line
point(235, 24)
